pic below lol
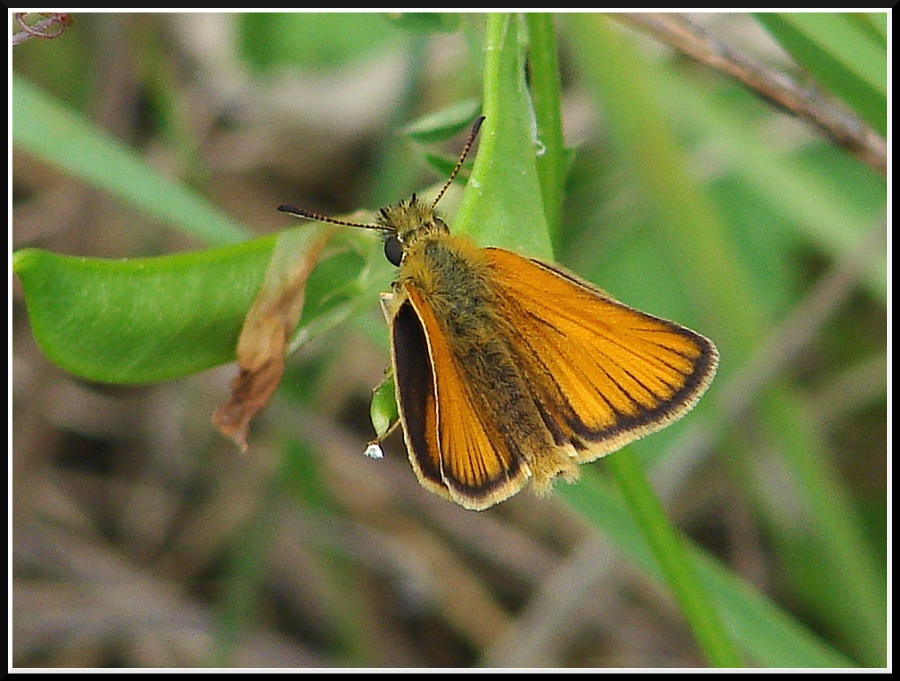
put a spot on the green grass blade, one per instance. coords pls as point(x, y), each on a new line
point(669, 551)
point(844, 55)
point(767, 635)
point(696, 243)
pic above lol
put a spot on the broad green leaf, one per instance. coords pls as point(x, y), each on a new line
point(141, 320)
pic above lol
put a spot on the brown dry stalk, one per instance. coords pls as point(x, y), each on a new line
point(819, 109)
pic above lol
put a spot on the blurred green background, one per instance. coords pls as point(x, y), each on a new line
point(142, 538)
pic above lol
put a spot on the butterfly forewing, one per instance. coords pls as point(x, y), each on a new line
point(614, 374)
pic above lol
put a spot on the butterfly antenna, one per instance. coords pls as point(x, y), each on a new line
point(311, 215)
point(462, 157)
point(303, 213)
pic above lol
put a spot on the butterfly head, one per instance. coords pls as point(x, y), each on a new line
point(404, 223)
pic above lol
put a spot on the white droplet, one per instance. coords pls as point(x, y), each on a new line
point(373, 451)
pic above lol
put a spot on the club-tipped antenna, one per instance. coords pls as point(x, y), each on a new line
point(462, 157)
point(312, 215)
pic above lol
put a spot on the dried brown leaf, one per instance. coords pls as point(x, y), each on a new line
point(270, 321)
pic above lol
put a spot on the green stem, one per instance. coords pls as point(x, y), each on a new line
point(766, 634)
point(670, 552)
point(545, 96)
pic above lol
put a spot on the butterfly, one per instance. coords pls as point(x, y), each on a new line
point(508, 369)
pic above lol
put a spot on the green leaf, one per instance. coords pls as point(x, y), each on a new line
point(443, 124)
point(502, 204)
point(141, 320)
point(425, 22)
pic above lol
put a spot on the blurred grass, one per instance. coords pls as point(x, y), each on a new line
point(697, 210)
point(845, 52)
point(705, 257)
point(52, 132)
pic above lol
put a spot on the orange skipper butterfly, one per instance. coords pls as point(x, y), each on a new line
point(509, 369)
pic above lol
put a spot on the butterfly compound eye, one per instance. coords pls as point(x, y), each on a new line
point(393, 250)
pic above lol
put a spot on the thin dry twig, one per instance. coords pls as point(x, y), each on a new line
point(821, 110)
